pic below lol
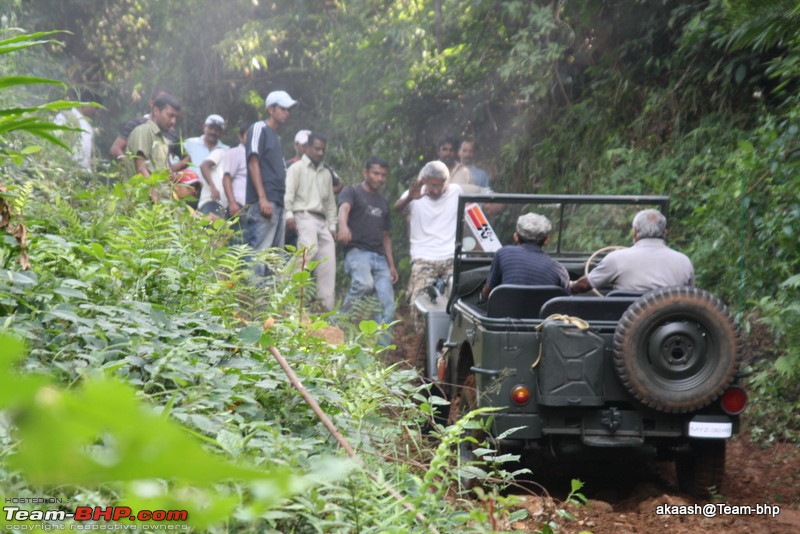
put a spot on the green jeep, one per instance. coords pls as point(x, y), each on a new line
point(569, 373)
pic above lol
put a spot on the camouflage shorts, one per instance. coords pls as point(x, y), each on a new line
point(423, 274)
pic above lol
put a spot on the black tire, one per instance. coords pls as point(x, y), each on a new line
point(466, 402)
point(701, 471)
point(676, 349)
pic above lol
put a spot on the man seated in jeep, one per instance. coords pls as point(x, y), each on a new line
point(524, 262)
point(648, 264)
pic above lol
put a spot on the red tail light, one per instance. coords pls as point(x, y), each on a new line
point(520, 395)
point(734, 400)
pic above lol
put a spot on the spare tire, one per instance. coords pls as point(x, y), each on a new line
point(676, 349)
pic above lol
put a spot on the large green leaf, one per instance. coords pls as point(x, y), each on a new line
point(13, 81)
point(25, 40)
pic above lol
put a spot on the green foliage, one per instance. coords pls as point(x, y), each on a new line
point(123, 291)
point(94, 435)
point(695, 100)
point(15, 120)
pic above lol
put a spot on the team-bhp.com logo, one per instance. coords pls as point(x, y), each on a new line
point(95, 513)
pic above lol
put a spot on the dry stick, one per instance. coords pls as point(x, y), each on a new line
point(338, 435)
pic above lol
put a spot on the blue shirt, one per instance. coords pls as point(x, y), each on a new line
point(528, 265)
point(198, 151)
point(479, 176)
point(262, 142)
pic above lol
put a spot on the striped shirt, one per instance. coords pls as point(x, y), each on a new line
point(528, 265)
point(262, 142)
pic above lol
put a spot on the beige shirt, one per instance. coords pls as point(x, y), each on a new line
point(310, 188)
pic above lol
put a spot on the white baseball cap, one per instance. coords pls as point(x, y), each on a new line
point(301, 138)
point(280, 98)
point(215, 120)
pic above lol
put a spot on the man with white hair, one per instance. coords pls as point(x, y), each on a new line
point(432, 218)
point(524, 262)
point(648, 264)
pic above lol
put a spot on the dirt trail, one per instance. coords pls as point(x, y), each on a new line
point(626, 499)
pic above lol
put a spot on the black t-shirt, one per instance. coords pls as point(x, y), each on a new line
point(265, 144)
point(369, 218)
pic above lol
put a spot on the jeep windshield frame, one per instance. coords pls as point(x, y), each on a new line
point(582, 224)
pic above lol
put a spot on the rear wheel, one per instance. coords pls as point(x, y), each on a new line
point(462, 404)
point(701, 470)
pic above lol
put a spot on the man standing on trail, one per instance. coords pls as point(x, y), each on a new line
point(311, 212)
point(648, 264)
point(432, 217)
point(266, 177)
point(364, 226)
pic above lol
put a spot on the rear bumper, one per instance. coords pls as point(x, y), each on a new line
point(614, 428)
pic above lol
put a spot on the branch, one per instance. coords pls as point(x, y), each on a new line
point(338, 436)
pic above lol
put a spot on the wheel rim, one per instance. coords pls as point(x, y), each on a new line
point(678, 353)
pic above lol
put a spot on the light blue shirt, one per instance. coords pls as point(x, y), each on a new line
point(479, 176)
point(198, 151)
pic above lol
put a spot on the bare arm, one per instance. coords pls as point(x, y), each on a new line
point(227, 186)
point(387, 250)
point(414, 193)
point(581, 285)
point(485, 292)
point(255, 174)
point(118, 147)
point(344, 230)
point(206, 168)
point(140, 165)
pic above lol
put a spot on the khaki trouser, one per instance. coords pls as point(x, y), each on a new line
point(313, 233)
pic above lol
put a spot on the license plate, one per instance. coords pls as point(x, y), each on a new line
point(704, 429)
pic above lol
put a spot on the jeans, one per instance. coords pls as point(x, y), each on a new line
point(262, 233)
point(369, 271)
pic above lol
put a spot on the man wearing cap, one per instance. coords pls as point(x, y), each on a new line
point(311, 211)
point(266, 177)
point(300, 143)
point(198, 149)
point(524, 262)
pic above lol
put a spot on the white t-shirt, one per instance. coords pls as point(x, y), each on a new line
point(83, 152)
point(215, 157)
point(234, 163)
point(432, 225)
